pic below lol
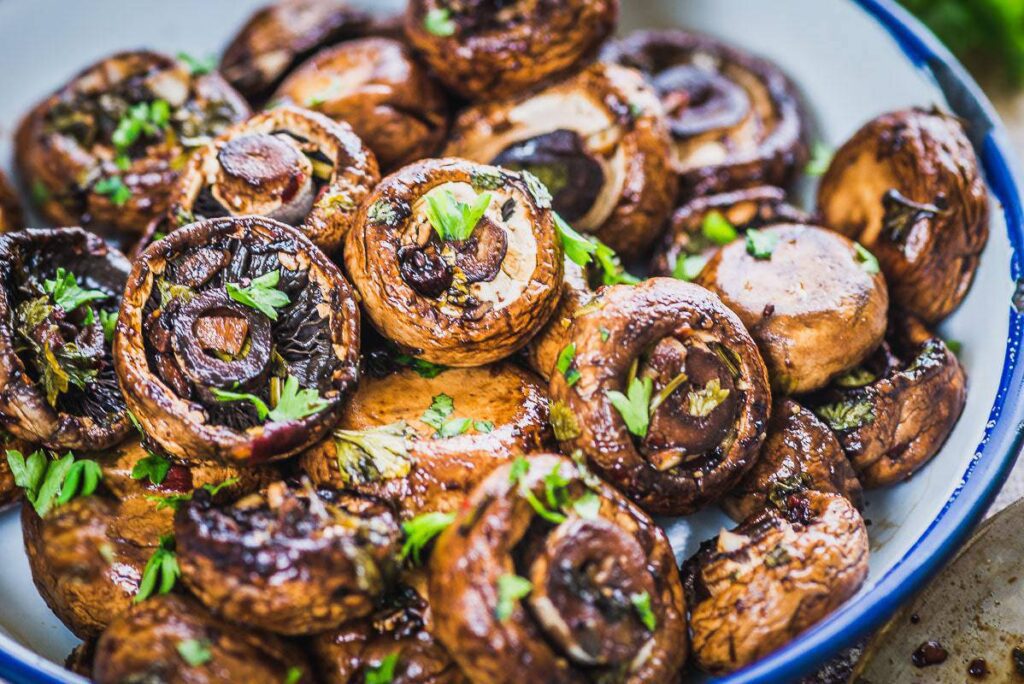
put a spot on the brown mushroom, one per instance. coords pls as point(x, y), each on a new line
point(423, 442)
point(548, 574)
point(799, 453)
point(397, 632)
point(236, 340)
point(664, 393)
point(544, 349)
point(173, 639)
point(814, 301)
point(736, 120)
point(893, 413)
point(907, 185)
point(11, 215)
point(702, 225)
point(375, 86)
point(278, 37)
point(105, 149)
point(81, 658)
point(597, 141)
point(458, 263)
point(288, 164)
point(753, 589)
point(59, 292)
point(490, 50)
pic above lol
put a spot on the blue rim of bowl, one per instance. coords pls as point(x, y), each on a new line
point(1002, 441)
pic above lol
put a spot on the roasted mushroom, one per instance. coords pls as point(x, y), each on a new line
point(702, 225)
point(59, 293)
point(664, 392)
point(814, 301)
point(236, 340)
point(753, 589)
point(799, 453)
point(288, 164)
point(736, 120)
point(458, 263)
point(105, 149)
point(175, 640)
point(490, 50)
point(281, 35)
point(544, 349)
point(81, 658)
point(374, 85)
point(11, 216)
point(548, 574)
point(423, 442)
point(397, 633)
point(597, 141)
point(907, 185)
point(291, 559)
point(894, 412)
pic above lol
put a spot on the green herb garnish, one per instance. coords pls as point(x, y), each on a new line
point(612, 270)
point(703, 401)
point(49, 483)
point(161, 571)
point(67, 293)
point(564, 364)
point(847, 415)
point(642, 603)
point(511, 588)
point(866, 259)
point(634, 405)
point(717, 228)
point(153, 466)
point(114, 188)
point(374, 454)
point(821, 158)
point(198, 66)
point(453, 220)
point(174, 501)
point(688, 267)
point(108, 321)
point(438, 416)
point(439, 22)
point(261, 294)
point(760, 245)
point(383, 672)
point(425, 369)
point(578, 248)
point(144, 118)
point(293, 404)
point(421, 530)
point(195, 652)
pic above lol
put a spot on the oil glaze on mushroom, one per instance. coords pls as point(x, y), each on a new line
point(288, 164)
point(548, 574)
point(665, 394)
point(457, 263)
point(105, 149)
point(597, 141)
point(544, 349)
point(237, 338)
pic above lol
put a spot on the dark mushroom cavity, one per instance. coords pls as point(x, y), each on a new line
point(458, 263)
point(237, 339)
point(735, 119)
point(907, 185)
point(292, 559)
point(59, 299)
point(663, 391)
point(105, 150)
point(550, 574)
point(597, 142)
point(288, 164)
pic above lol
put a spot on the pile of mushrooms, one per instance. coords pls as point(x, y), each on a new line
point(324, 426)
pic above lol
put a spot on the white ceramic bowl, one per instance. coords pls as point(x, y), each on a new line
point(853, 59)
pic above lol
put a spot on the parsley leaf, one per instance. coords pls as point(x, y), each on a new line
point(634, 405)
point(294, 675)
point(62, 368)
point(847, 415)
point(108, 321)
point(438, 417)
point(821, 158)
point(66, 292)
point(425, 369)
point(612, 271)
point(483, 426)
point(174, 501)
point(511, 588)
point(153, 466)
point(198, 66)
point(295, 403)
point(642, 603)
point(144, 118)
point(81, 478)
point(454, 221)
point(114, 188)
point(161, 571)
point(195, 652)
point(374, 454)
point(717, 228)
point(703, 401)
point(261, 294)
point(262, 410)
point(688, 267)
point(564, 364)
point(578, 248)
point(49, 483)
point(439, 22)
point(520, 468)
point(866, 259)
point(760, 245)
point(587, 506)
point(383, 672)
point(421, 530)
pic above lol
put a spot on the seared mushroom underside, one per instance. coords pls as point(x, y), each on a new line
point(545, 577)
point(664, 392)
point(736, 120)
point(236, 339)
point(59, 292)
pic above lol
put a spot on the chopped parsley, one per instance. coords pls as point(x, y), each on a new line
point(847, 415)
point(760, 245)
point(718, 229)
point(511, 588)
point(195, 652)
point(161, 572)
point(294, 675)
point(439, 22)
point(634, 405)
point(612, 270)
point(198, 66)
point(866, 259)
point(144, 118)
point(384, 671)
point(855, 377)
point(577, 248)
point(438, 416)
point(563, 421)
point(587, 506)
point(153, 466)
point(703, 401)
point(293, 404)
point(114, 188)
point(821, 158)
point(67, 293)
point(48, 483)
point(642, 604)
point(452, 220)
point(108, 321)
point(425, 369)
point(174, 501)
point(564, 364)
point(688, 267)
point(374, 454)
point(261, 294)
point(420, 531)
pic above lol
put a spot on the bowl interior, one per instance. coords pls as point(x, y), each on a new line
point(848, 66)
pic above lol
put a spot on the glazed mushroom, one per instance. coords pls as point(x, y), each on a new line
point(105, 149)
point(59, 292)
point(374, 85)
point(278, 37)
point(664, 392)
point(292, 559)
point(814, 301)
point(458, 263)
point(548, 574)
point(288, 164)
point(423, 442)
point(236, 340)
point(799, 453)
point(907, 185)
point(544, 349)
point(486, 51)
point(173, 639)
point(753, 589)
point(597, 141)
point(894, 412)
point(11, 216)
point(703, 225)
point(396, 633)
